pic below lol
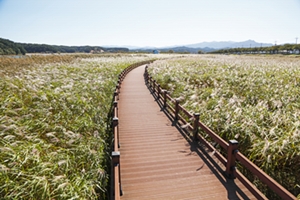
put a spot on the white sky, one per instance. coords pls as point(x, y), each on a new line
point(149, 23)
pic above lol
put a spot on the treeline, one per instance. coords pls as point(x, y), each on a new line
point(44, 48)
point(282, 49)
point(8, 47)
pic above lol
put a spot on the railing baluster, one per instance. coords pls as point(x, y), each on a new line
point(196, 126)
point(116, 130)
point(115, 109)
point(116, 96)
point(117, 90)
point(119, 86)
point(176, 109)
point(158, 91)
point(231, 152)
point(165, 98)
point(117, 174)
point(150, 83)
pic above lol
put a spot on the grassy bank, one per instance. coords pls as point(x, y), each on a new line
point(53, 115)
point(254, 99)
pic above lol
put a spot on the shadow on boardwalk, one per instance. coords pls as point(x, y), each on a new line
point(159, 159)
point(207, 156)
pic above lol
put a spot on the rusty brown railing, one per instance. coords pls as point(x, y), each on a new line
point(116, 168)
point(173, 105)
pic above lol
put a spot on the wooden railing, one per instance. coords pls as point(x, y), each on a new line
point(116, 168)
point(180, 113)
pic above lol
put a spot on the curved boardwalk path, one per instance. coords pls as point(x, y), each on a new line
point(158, 160)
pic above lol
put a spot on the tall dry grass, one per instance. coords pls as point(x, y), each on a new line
point(54, 141)
point(254, 99)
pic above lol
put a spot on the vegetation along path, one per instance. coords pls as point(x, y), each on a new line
point(158, 160)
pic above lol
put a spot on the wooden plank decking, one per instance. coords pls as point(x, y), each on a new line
point(157, 160)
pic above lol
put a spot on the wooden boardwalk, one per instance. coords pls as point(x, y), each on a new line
point(159, 161)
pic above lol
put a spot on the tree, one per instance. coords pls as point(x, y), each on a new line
point(297, 47)
point(9, 48)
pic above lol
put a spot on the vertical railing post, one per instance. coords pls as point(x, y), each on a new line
point(176, 109)
point(116, 95)
point(119, 85)
point(121, 75)
point(196, 126)
point(153, 87)
point(116, 164)
point(158, 91)
point(149, 82)
point(231, 159)
point(146, 75)
point(115, 157)
point(116, 109)
point(116, 130)
point(117, 89)
point(165, 98)
point(147, 78)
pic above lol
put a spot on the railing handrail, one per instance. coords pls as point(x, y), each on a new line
point(116, 168)
point(232, 152)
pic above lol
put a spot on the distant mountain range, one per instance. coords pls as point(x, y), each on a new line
point(204, 46)
point(229, 44)
point(9, 47)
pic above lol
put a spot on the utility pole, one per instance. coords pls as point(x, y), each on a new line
point(296, 40)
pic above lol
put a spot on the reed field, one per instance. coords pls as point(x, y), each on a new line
point(253, 99)
point(54, 136)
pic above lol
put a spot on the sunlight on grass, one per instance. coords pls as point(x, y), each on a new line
point(53, 115)
point(254, 99)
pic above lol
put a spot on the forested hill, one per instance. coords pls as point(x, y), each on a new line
point(8, 47)
point(44, 48)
